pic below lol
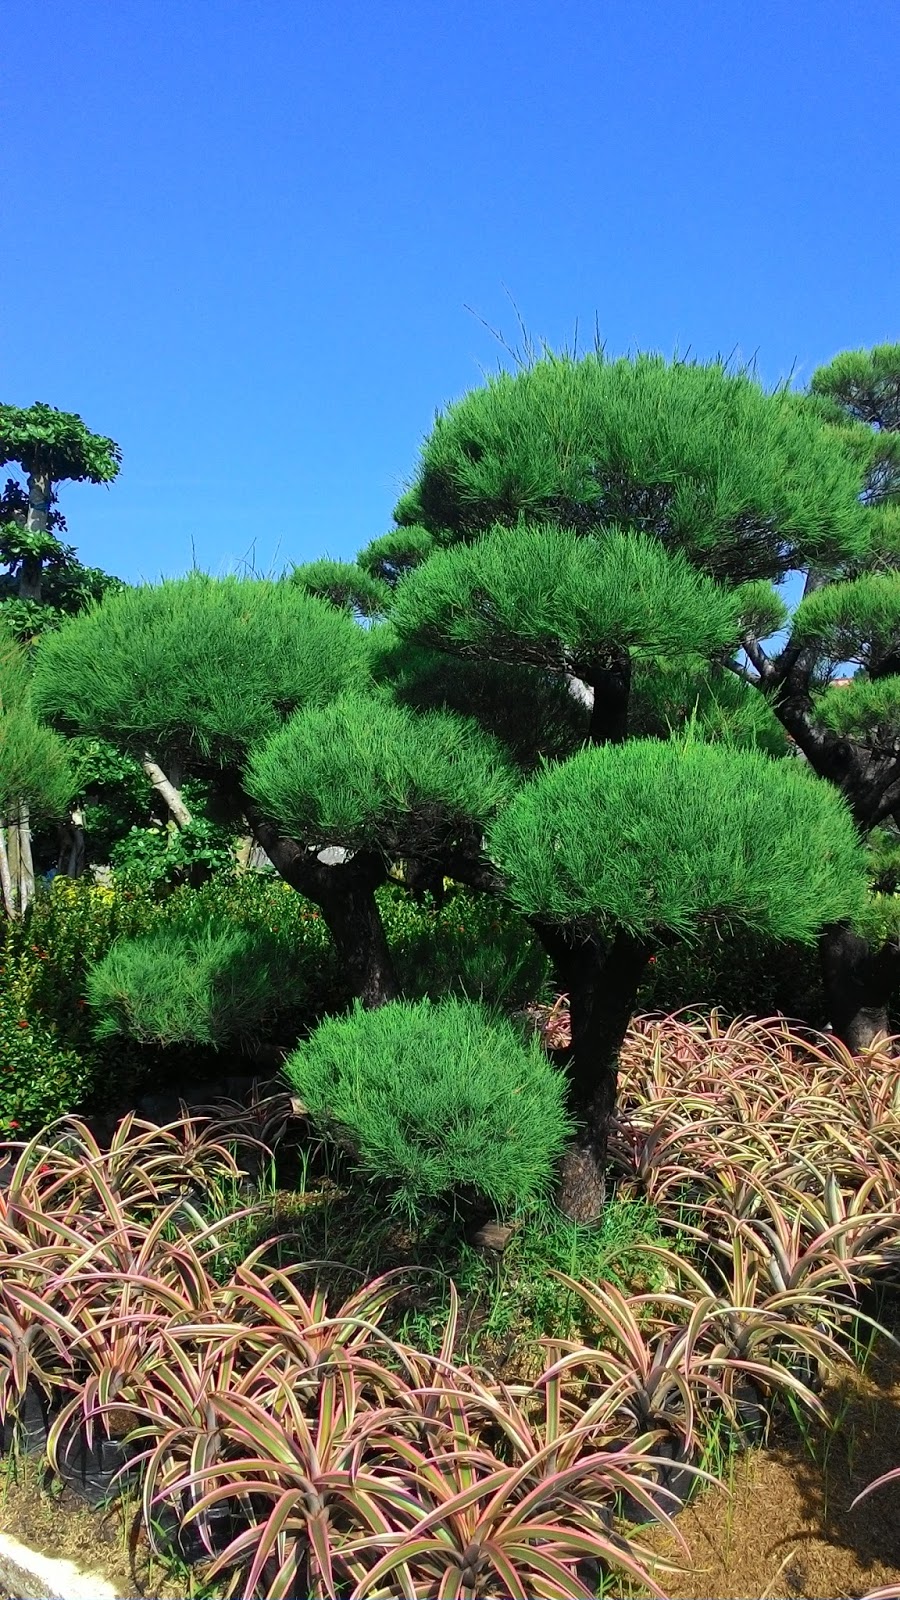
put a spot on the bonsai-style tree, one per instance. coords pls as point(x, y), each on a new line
point(573, 529)
point(44, 579)
point(269, 691)
point(34, 771)
point(850, 733)
point(748, 486)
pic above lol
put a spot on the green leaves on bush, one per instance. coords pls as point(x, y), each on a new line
point(436, 1098)
point(177, 986)
point(200, 667)
point(661, 836)
point(34, 763)
point(363, 773)
point(545, 596)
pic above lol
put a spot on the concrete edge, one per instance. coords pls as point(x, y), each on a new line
point(29, 1575)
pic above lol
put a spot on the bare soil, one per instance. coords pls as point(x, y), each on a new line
point(786, 1531)
point(59, 1524)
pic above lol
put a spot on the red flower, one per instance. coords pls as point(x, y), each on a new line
point(23, 1022)
point(12, 1123)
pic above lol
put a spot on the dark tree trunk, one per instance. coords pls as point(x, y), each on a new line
point(602, 989)
point(423, 878)
point(612, 694)
point(859, 983)
point(354, 922)
point(343, 886)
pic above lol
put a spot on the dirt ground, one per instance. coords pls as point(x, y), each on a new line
point(787, 1531)
point(59, 1524)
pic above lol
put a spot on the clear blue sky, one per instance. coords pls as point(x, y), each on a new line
point(241, 234)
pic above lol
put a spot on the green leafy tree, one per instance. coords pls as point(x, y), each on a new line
point(43, 578)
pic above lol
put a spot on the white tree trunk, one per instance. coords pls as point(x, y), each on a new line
point(166, 790)
point(6, 884)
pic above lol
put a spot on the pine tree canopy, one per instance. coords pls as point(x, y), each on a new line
point(865, 384)
point(659, 837)
point(530, 711)
point(34, 762)
point(748, 484)
point(199, 667)
point(550, 598)
point(364, 773)
point(864, 709)
point(394, 554)
point(854, 621)
point(345, 584)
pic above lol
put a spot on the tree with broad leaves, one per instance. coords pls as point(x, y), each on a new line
point(574, 531)
point(43, 577)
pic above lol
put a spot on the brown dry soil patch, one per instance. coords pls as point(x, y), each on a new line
point(58, 1523)
point(786, 1531)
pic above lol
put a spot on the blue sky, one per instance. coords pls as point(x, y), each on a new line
point(241, 234)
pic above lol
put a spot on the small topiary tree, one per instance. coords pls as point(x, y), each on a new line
point(436, 1100)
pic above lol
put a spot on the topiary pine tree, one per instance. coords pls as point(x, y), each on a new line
point(849, 733)
point(269, 691)
point(606, 523)
point(608, 517)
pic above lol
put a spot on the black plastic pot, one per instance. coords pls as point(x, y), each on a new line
point(29, 1427)
point(670, 1485)
point(752, 1414)
point(91, 1470)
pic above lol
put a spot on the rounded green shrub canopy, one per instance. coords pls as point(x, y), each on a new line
point(206, 985)
point(748, 484)
point(364, 772)
point(436, 1097)
point(547, 597)
point(661, 836)
point(198, 666)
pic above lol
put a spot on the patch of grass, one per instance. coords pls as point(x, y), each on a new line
point(510, 1301)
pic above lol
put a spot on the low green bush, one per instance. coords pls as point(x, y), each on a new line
point(203, 986)
point(436, 1099)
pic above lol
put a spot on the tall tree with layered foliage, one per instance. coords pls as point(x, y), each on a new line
point(43, 578)
point(576, 532)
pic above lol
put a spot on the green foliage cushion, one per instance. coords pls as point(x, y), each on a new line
point(34, 764)
point(854, 621)
point(865, 708)
point(344, 584)
point(199, 666)
point(436, 1098)
point(394, 554)
point(865, 384)
point(363, 772)
point(661, 836)
point(210, 986)
point(548, 597)
point(748, 484)
point(42, 438)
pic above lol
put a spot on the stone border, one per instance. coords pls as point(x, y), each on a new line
point(29, 1575)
